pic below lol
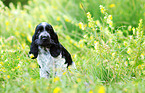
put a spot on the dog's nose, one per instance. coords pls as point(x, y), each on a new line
point(44, 38)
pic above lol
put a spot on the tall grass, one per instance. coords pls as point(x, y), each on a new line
point(108, 58)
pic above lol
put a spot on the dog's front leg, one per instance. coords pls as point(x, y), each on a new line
point(44, 73)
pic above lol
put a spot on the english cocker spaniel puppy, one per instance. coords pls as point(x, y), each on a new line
point(52, 57)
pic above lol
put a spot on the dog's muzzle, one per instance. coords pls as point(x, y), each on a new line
point(45, 38)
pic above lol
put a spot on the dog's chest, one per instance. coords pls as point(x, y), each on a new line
point(49, 63)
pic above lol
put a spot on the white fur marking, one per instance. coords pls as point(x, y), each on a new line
point(44, 24)
point(49, 64)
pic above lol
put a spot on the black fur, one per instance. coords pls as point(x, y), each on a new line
point(55, 47)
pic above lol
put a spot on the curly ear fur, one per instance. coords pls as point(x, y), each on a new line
point(54, 36)
point(34, 47)
point(55, 49)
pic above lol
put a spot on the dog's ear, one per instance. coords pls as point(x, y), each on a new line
point(34, 47)
point(54, 36)
point(55, 50)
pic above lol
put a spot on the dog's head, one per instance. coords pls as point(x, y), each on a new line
point(46, 37)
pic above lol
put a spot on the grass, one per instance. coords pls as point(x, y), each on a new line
point(110, 56)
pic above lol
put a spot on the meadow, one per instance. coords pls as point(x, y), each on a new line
point(105, 38)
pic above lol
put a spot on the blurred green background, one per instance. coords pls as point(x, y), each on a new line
point(105, 38)
point(7, 2)
point(125, 12)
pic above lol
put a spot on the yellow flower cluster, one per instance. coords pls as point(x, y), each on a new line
point(109, 21)
point(101, 89)
point(56, 79)
point(129, 51)
point(81, 26)
point(57, 90)
point(58, 18)
point(103, 10)
point(112, 5)
point(78, 80)
point(91, 23)
point(8, 76)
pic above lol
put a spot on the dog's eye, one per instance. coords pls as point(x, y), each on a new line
point(47, 28)
point(40, 28)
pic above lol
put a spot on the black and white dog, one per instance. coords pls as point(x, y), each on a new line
point(52, 57)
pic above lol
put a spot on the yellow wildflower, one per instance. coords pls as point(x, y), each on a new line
point(132, 62)
point(101, 28)
point(125, 43)
point(91, 37)
point(56, 79)
point(31, 55)
point(129, 51)
point(29, 25)
point(17, 33)
point(110, 17)
point(67, 37)
point(88, 15)
point(95, 42)
point(96, 45)
point(112, 5)
point(57, 90)
point(89, 24)
point(31, 79)
point(81, 45)
point(18, 66)
point(97, 22)
point(67, 20)
point(90, 91)
point(23, 46)
point(58, 18)
point(101, 89)
point(78, 80)
point(1, 63)
point(126, 63)
point(29, 38)
point(133, 29)
point(81, 6)
point(7, 23)
point(110, 23)
point(75, 44)
point(81, 26)
point(102, 9)
point(4, 70)
point(119, 32)
point(8, 76)
point(74, 56)
point(64, 73)
point(142, 56)
point(129, 28)
point(113, 54)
